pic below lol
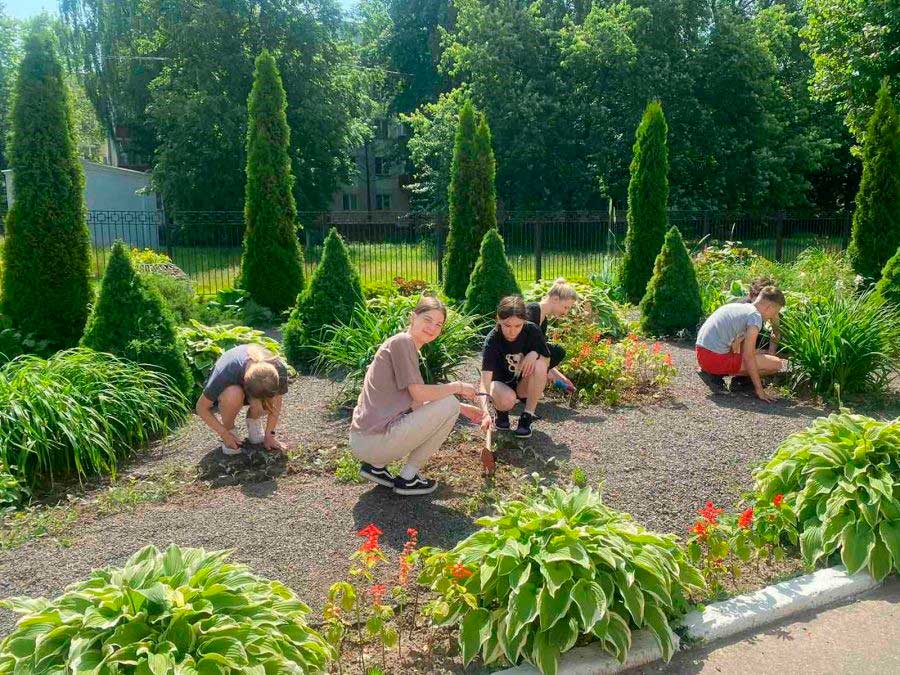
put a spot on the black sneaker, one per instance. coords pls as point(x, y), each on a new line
point(523, 430)
point(376, 474)
point(414, 486)
point(741, 383)
point(715, 382)
point(501, 422)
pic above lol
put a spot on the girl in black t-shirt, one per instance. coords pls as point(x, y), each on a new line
point(514, 365)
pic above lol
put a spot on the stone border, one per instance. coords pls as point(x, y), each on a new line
point(723, 619)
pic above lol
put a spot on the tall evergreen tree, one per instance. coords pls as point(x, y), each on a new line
point(461, 239)
point(648, 195)
point(484, 190)
point(271, 268)
point(672, 302)
point(46, 274)
point(333, 293)
point(131, 319)
point(876, 221)
point(493, 277)
point(889, 285)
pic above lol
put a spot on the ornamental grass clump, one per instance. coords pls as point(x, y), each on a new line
point(844, 345)
point(182, 610)
point(840, 480)
point(546, 572)
point(80, 412)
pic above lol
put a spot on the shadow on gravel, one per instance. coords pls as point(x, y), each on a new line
point(253, 466)
point(749, 403)
point(437, 524)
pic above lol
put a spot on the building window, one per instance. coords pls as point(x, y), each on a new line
point(350, 202)
point(380, 166)
point(382, 202)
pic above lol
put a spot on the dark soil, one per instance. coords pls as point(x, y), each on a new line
point(660, 460)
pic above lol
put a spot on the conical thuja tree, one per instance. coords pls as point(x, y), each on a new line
point(332, 295)
point(889, 285)
point(46, 256)
point(648, 195)
point(271, 268)
point(472, 200)
point(672, 302)
point(493, 277)
point(876, 221)
point(130, 319)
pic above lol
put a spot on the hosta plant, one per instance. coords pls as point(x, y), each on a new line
point(840, 477)
point(551, 570)
point(594, 306)
point(182, 610)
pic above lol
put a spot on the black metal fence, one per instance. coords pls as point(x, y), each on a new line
point(389, 244)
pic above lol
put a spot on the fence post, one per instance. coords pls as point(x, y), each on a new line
point(845, 233)
point(439, 249)
point(538, 251)
point(779, 236)
point(167, 231)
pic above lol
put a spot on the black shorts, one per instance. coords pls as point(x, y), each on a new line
point(557, 354)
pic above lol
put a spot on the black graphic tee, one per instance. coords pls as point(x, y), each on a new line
point(503, 358)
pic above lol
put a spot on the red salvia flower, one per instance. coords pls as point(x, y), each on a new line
point(369, 531)
point(711, 513)
point(779, 498)
point(656, 347)
point(460, 572)
point(412, 533)
point(700, 528)
point(667, 359)
point(628, 360)
point(746, 518)
point(377, 592)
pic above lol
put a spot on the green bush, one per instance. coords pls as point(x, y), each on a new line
point(672, 303)
point(331, 296)
point(888, 286)
point(13, 491)
point(205, 344)
point(131, 320)
point(13, 343)
point(271, 268)
point(595, 306)
point(234, 305)
point(839, 479)
point(177, 294)
point(181, 610)
point(472, 200)
point(549, 571)
point(348, 349)
point(876, 220)
point(648, 195)
point(492, 279)
point(46, 263)
point(844, 345)
point(80, 412)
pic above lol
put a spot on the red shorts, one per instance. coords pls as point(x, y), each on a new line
point(719, 364)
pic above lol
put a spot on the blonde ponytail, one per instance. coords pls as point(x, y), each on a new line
point(563, 291)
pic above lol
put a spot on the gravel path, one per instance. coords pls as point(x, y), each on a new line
point(660, 461)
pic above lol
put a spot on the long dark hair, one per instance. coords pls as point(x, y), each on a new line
point(512, 306)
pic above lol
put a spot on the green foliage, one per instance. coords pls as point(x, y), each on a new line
point(13, 343)
point(839, 478)
point(177, 294)
point(12, 490)
point(492, 279)
point(844, 345)
point(347, 469)
point(876, 220)
point(46, 255)
point(175, 611)
point(131, 320)
point(332, 295)
point(672, 303)
point(148, 256)
point(205, 344)
point(234, 305)
point(472, 199)
point(579, 477)
point(547, 570)
point(80, 412)
point(889, 285)
point(271, 269)
point(594, 305)
point(348, 348)
point(648, 193)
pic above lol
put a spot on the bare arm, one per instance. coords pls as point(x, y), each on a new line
point(748, 353)
point(775, 336)
point(205, 413)
point(423, 393)
point(273, 416)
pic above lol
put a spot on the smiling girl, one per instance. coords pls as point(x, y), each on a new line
point(514, 365)
point(397, 415)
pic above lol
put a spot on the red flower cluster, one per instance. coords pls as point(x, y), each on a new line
point(778, 500)
point(656, 347)
point(371, 533)
point(377, 592)
point(711, 513)
point(408, 548)
point(746, 518)
point(667, 359)
point(460, 571)
point(700, 528)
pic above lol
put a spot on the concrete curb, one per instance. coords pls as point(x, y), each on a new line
point(723, 619)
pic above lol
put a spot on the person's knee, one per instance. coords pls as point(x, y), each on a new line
point(231, 400)
point(541, 367)
point(449, 405)
point(503, 400)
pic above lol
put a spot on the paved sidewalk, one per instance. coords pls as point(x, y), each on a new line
point(859, 638)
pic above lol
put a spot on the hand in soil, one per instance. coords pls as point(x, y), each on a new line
point(231, 441)
point(272, 444)
point(471, 412)
point(487, 461)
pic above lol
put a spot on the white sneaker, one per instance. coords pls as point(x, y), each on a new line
point(256, 430)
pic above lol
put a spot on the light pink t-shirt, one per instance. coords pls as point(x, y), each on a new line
point(385, 393)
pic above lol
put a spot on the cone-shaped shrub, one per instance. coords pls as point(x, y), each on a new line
point(648, 195)
point(889, 285)
point(876, 221)
point(131, 320)
point(46, 257)
point(332, 295)
point(271, 268)
point(472, 200)
point(672, 302)
point(492, 278)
